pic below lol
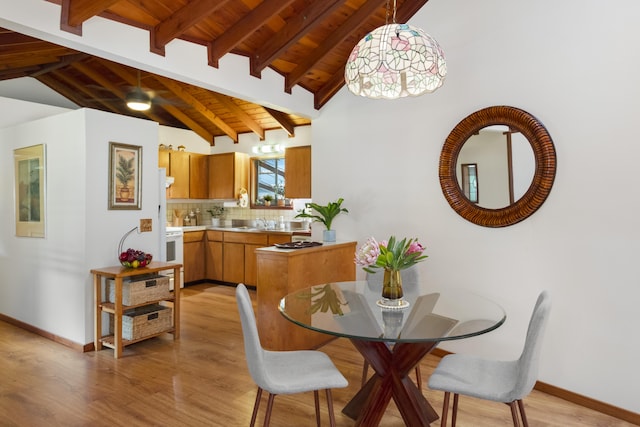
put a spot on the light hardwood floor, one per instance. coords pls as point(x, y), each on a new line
point(202, 380)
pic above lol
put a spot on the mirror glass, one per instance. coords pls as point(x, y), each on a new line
point(497, 166)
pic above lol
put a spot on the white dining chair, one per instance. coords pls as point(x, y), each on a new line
point(285, 372)
point(496, 380)
point(410, 287)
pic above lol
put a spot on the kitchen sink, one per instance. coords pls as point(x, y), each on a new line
point(244, 228)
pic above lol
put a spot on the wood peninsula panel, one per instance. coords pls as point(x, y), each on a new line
point(281, 272)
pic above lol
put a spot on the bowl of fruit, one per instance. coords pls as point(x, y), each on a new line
point(134, 259)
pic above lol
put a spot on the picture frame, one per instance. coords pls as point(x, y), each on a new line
point(30, 186)
point(125, 176)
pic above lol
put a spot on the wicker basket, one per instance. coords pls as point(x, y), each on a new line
point(141, 289)
point(145, 321)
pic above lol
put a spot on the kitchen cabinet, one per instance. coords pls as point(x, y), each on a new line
point(198, 176)
point(239, 257)
point(215, 253)
point(228, 174)
point(190, 172)
point(179, 170)
point(194, 256)
point(116, 308)
point(281, 272)
point(297, 173)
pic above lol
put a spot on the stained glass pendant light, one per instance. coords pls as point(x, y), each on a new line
point(394, 61)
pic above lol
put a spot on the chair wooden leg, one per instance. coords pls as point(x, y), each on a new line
point(332, 417)
point(514, 414)
point(256, 405)
point(445, 409)
point(454, 412)
point(316, 398)
point(267, 416)
point(525, 423)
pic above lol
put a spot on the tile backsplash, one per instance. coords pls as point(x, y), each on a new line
point(184, 208)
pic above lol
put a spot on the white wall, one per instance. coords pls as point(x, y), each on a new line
point(573, 64)
point(46, 282)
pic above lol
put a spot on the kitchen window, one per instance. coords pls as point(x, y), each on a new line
point(267, 182)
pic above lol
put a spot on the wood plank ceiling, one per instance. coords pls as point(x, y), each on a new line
point(306, 41)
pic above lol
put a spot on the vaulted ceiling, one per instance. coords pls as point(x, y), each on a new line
point(306, 41)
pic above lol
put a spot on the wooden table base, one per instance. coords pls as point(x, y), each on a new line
point(391, 379)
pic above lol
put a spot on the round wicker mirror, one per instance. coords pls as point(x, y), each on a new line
point(545, 166)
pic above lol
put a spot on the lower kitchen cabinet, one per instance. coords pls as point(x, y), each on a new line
point(194, 256)
point(239, 258)
point(215, 251)
point(233, 262)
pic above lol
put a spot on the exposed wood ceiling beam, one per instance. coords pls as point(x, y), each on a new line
point(90, 94)
point(344, 31)
point(242, 29)
point(75, 12)
point(201, 108)
point(282, 119)
point(66, 91)
point(179, 22)
point(240, 113)
point(291, 33)
point(331, 87)
point(67, 60)
point(191, 124)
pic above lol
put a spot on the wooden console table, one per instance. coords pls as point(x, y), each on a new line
point(116, 308)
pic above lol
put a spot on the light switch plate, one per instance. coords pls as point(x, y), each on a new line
point(145, 225)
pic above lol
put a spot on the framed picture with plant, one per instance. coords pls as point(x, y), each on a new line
point(125, 176)
point(30, 173)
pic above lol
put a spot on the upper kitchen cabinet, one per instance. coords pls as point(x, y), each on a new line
point(177, 165)
point(228, 174)
point(298, 172)
point(198, 176)
point(190, 172)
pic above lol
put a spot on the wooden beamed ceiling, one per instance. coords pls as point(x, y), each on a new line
point(306, 41)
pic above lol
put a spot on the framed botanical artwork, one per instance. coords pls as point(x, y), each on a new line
point(125, 176)
point(30, 170)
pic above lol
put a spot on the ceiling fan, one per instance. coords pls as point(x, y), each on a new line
point(137, 99)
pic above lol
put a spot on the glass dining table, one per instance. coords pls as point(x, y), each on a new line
point(393, 341)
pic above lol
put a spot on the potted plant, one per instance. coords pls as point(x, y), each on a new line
point(267, 199)
point(216, 213)
point(280, 195)
point(124, 173)
point(325, 214)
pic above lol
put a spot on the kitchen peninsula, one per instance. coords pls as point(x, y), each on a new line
point(282, 271)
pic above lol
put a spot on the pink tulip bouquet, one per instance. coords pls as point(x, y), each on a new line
point(390, 255)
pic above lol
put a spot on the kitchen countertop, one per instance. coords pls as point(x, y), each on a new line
point(187, 229)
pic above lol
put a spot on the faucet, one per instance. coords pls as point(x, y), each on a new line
point(261, 223)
